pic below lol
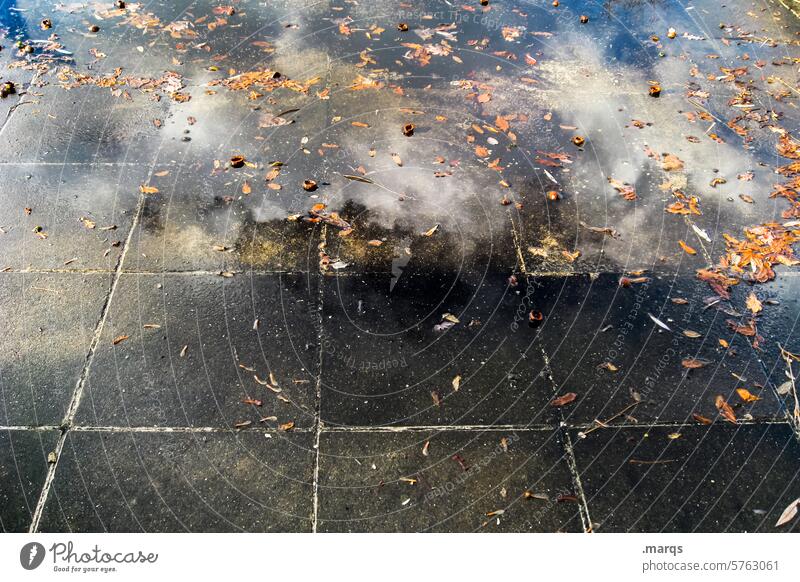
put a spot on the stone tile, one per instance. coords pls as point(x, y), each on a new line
point(197, 211)
point(23, 468)
point(718, 478)
point(593, 322)
point(66, 216)
point(148, 379)
point(176, 482)
point(778, 325)
point(383, 358)
point(381, 482)
point(48, 324)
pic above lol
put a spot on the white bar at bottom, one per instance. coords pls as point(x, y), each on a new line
point(400, 557)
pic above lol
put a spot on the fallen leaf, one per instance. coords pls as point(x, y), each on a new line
point(693, 363)
point(789, 513)
point(746, 395)
point(753, 304)
point(725, 409)
point(564, 400)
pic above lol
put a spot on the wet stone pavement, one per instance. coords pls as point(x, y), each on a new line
point(399, 266)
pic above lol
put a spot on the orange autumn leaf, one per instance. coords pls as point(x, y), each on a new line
point(746, 395)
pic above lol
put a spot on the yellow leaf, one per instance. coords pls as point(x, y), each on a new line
point(753, 304)
point(745, 395)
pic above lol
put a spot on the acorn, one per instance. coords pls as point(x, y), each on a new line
point(584, 19)
point(555, 3)
point(309, 185)
point(46, 24)
point(408, 129)
point(120, 4)
point(237, 161)
point(553, 195)
point(655, 90)
point(94, 28)
point(7, 88)
point(672, 33)
point(402, 27)
point(578, 140)
point(535, 317)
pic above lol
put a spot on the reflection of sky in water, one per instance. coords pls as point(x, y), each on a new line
point(593, 77)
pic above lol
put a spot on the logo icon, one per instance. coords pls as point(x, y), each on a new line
point(31, 555)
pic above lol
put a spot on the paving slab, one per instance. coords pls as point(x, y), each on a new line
point(49, 322)
point(603, 343)
point(392, 353)
point(23, 468)
point(468, 481)
point(65, 216)
point(185, 350)
point(718, 478)
point(179, 482)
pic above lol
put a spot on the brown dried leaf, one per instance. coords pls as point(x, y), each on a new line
point(564, 399)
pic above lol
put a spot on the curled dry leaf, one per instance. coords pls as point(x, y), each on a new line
point(689, 250)
point(725, 409)
point(431, 231)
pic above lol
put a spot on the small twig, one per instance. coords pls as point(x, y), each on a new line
point(788, 357)
point(604, 423)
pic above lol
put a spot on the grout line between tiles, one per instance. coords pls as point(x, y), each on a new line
point(572, 464)
point(81, 383)
point(208, 272)
point(323, 429)
point(318, 427)
point(323, 237)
